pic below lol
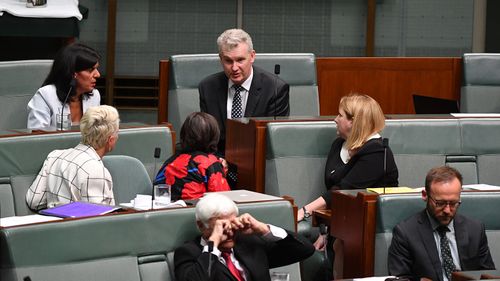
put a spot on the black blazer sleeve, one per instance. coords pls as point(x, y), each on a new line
point(192, 265)
point(400, 259)
point(279, 105)
point(292, 249)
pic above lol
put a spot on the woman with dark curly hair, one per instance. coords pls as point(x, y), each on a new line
point(195, 169)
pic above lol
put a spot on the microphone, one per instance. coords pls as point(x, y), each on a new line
point(156, 155)
point(72, 84)
point(385, 144)
point(210, 250)
point(277, 70)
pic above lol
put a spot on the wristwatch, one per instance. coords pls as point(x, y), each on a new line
point(306, 213)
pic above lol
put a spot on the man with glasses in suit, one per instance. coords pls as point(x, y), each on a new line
point(437, 241)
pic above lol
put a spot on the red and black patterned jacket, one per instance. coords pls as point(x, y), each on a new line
point(191, 174)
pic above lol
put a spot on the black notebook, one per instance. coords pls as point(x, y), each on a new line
point(432, 105)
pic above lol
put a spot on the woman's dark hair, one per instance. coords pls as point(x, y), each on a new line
point(70, 59)
point(200, 132)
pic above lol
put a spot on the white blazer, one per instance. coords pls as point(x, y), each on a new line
point(44, 105)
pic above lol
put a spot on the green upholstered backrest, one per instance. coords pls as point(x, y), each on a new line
point(129, 177)
point(296, 152)
point(128, 246)
point(23, 156)
point(481, 137)
point(19, 81)
point(418, 145)
point(481, 83)
point(394, 208)
point(186, 72)
point(295, 158)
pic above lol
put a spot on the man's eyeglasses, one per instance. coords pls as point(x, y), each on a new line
point(443, 203)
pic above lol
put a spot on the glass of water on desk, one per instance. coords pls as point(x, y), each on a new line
point(63, 122)
point(162, 195)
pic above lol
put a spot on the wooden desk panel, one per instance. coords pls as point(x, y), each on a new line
point(246, 147)
point(389, 80)
point(353, 221)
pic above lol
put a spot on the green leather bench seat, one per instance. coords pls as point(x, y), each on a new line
point(137, 246)
point(296, 152)
point(481, 83)
point(186, 72)
point(295, 158)
point(23, 156)
point(19, 81)
point(393, 208)
point(481, 137)
point(419, 145)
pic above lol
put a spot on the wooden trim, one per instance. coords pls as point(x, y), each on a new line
point(370, 28)
point(353, 221)
point(163, 78)
point(110, 52)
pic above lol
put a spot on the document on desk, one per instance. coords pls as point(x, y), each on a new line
point(20, 220)
point(244, 196)
point(143, 202)
point(481, 186)
point(387, 190)
point(79, 209)
point(476, 115)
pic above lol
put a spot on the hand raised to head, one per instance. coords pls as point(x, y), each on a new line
point(247, 224)
point(221, 232)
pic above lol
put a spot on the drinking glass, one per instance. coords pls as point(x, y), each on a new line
point(162, 195)
point(65, 119)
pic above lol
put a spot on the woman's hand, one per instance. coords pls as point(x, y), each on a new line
point(224, 165)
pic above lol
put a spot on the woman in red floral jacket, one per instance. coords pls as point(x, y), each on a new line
point(195, 169)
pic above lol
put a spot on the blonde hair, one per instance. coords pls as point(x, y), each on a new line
point(366, 115)
point(230, 39)
point(98, 124)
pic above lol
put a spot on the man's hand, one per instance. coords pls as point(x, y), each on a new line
point(247, 224)
point(221, 232)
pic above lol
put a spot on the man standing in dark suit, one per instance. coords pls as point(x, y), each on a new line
point(241, 90)
point(235, 248)
point(437, 241)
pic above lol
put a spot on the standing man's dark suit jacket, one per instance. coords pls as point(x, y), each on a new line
point(268, 96)
point(413, 252)
point(253, 253)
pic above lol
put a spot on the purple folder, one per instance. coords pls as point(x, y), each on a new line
point(79, 209)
